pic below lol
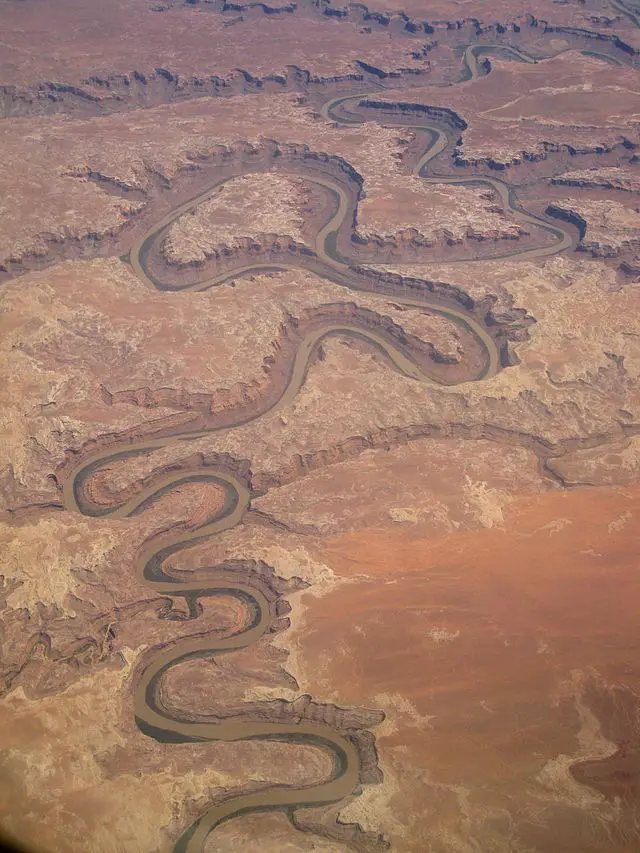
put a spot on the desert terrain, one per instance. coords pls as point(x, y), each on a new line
point(320, 423)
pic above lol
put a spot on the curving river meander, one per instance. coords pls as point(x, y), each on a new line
point(152, 717)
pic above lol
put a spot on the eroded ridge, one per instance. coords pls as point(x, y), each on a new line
point(527, 190)
point(446, 52)
point(529, 196)
point(336, 247)
point(343, 735)
point(339, 732)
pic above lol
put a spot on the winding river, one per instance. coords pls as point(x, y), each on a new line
point(152, 717)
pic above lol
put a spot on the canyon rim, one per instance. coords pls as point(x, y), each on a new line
point(320, 424)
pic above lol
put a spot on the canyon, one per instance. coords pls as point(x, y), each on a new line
point(321, 426)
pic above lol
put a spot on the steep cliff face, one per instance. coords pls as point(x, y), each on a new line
point(626, 179)
point(385, 222)
point(610, 227)
point(319, 413)
point(280, 50)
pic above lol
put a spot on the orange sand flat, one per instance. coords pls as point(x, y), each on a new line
point(558, 590)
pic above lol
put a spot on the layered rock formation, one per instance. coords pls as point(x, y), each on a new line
point(611, 227)
point(249, 207)
point(433, 561)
